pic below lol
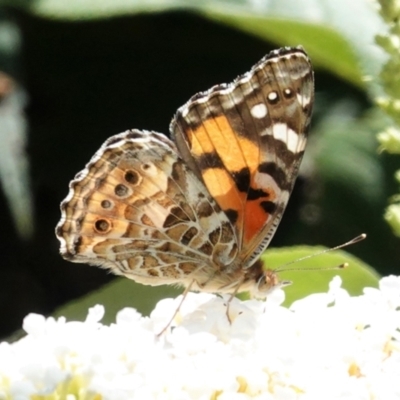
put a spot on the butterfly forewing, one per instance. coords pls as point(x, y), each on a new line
point(246, 140)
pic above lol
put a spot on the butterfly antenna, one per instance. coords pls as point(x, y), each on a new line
point(357, 239)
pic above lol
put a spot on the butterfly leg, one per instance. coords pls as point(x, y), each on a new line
point(184, 294)
point(231, 297)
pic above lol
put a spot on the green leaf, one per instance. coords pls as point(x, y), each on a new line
point(125, 293)
point(344, 151)
point(120, 293)
point(355, 277)
point(326, 48)
point(328, 29)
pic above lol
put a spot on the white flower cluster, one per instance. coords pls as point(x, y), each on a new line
point(326, 346)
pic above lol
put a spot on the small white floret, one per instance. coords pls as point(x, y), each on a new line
point(328, 345)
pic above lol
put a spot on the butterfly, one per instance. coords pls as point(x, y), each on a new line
point(197, 210)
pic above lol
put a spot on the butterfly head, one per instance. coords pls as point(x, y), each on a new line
point(264, 281)
point(269, 282)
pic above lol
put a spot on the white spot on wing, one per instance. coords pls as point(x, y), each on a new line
point(265, 181)
point(259, 111)
point(289, 136)
point(272, 96)
point(303, 100)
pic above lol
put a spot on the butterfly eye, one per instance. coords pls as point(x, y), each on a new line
point(269, 281)
point(262, 286)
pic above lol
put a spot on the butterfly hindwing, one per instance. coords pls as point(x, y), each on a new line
point(138, 210)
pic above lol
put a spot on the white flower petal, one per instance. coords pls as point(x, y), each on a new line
point(329, 345)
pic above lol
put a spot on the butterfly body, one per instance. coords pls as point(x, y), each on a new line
point(197, 210)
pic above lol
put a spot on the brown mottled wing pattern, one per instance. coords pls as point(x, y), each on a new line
point(245, 141)
point(138, 210)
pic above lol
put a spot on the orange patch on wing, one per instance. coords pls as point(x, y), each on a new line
point(255, 215)
point(256, 218)
point(200, 141)
point(216, 135)
point(222, 188)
